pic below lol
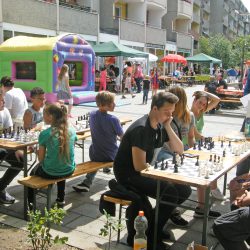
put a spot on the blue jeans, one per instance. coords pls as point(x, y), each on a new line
point(164, 154)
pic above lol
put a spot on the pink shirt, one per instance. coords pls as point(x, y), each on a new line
point(103, 76)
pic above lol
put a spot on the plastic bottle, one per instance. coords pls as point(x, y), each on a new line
point(141, 225)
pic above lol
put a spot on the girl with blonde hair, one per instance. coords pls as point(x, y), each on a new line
point(56, 149)
point(64, 91)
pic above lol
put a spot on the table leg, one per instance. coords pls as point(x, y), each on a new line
point(82, 150)
point(205, 219)
point(25, 192)
point(225, 184)
point(156, 213)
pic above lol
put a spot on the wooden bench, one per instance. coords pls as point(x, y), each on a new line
point(38, 183)
point(122, 203)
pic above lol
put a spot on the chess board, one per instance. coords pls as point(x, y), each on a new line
point(189, 168)
point(81, 123)
point(21, 137)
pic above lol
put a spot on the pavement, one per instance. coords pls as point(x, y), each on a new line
point(83, 220)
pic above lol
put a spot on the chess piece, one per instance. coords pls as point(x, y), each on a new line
point(162, 165)
point(182, 159)
point(175, 168)
point(199, 145)
point(221, 144)
point(194, 148)
point(211, 158)
point(166, 164)
point(215, 158)
point(229, 144)
point(174, 158)
point(224, 153)
point(197, 161)
point(156, 164)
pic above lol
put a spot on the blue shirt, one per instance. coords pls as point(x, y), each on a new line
point(104, 131)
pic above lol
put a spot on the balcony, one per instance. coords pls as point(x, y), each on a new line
point(138, 34)
point(197, 2)
point(184, 41)
point(156, 35)
point(157, 3)
point(185, 9)
point(196, 18)
point(37, 11)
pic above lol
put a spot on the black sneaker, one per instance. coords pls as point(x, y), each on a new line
point(178, 221)
point(82, 187)
point(6, 198)
point(199, 213)
point(60, 202)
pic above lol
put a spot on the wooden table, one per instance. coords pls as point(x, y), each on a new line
point(228, 164)
point(84, 133)
point(230, 92)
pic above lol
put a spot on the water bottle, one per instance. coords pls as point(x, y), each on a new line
point(141, 225)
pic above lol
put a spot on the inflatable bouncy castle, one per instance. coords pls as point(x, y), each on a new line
point(34, 61)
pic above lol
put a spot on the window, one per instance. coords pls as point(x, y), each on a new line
point(24, 70)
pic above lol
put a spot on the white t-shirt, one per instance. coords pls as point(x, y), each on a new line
point(5, 119)
point(15, 102)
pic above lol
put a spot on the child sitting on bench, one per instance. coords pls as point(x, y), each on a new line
point(56, 150)
point(34, 114)
point(104, 131)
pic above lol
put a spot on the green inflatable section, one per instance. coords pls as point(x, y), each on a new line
point(43, 61)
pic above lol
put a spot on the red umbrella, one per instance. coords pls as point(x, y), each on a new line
point(174, 58)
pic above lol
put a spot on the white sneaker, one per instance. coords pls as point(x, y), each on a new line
point(216, 193)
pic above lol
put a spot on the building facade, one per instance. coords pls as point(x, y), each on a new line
point(155, 26)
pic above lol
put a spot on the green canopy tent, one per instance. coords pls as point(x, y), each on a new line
point(116, 49)
point(203, 58)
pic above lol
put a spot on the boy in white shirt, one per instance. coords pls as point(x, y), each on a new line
point(15, 100)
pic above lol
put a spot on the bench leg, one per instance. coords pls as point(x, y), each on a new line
point(49, 192)
point(25, 203)
point(119, 221)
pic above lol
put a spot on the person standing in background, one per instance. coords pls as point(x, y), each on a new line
point(138, 76)
point(103, 79)
point(64, 91)
point(154, 81)
point(146, 87)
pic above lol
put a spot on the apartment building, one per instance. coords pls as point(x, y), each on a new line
point(232, 15)
point(155, 26)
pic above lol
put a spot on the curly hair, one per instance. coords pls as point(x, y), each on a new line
point(59, 126)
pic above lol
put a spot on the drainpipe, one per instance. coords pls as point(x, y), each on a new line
point(57, 18)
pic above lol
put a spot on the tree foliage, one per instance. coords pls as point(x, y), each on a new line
point(230, 52)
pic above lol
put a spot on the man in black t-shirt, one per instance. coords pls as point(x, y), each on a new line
point(221, 82)
point(136, 150)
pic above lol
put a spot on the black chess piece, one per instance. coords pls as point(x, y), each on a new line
point(182, 159)
point(229, 144)
point(224, 153)
point(215, 158)
point(166, 164)
point(211, 158)
point(221, 144)
point(218, 159)
point(162, 165)
point(156, 165)
point(175, 168)
point(194, 146)
point(197, 161)
point(199, 145)
point(174, 158)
